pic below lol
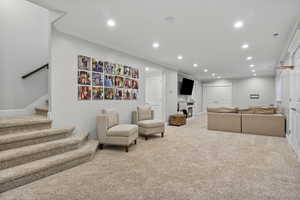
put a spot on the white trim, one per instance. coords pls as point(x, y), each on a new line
point(217, 84)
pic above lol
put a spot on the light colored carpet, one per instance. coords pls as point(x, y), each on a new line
point(190, 163)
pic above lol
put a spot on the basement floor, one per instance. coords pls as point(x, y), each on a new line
point(189, 163)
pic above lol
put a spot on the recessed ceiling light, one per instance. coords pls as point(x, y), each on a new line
point(238, 24)
point(155, 45)
point(254, 74)
point(205, 70)
point(251, 65)
point(218, 77)
point(111, 23)
point(253, 70)
point(245, 46)
point(147, 69)
point(195, 65)
point(213, 74)
point(179, 57)
point(249, 58)
point(170, 19)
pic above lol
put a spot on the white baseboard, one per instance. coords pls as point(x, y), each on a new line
point(25, 111)
point(294, 147)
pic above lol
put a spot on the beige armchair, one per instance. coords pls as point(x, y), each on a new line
point(144, 118)
point(109, 130)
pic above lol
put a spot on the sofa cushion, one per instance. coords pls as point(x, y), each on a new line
point(144, 112)
point(224, 122)
point(246, 111)
point(151, 123)
point(122, 130)
point(258, 124)
point(264, 110)
point(223, 110)
point(113, 117)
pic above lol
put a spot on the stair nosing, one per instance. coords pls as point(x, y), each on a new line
point(33, 167)
point(11, 125)
point(42, 109)
point(14, 138)
point(38, 148)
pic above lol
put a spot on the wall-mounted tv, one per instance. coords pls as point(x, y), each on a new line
point(187, 86)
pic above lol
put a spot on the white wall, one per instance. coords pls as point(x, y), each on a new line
point(242, 88)
point(24, 47)
point(66, 110)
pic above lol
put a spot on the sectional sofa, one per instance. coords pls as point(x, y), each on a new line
point(256, 120)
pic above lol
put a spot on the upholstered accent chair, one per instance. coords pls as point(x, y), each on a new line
point(109, 130)
point(144, 118)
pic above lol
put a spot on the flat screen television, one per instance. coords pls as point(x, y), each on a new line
point(187, 86)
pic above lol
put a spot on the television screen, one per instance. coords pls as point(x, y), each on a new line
point(186, 86)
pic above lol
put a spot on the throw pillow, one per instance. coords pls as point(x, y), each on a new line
point(144, 112)
point(113, 117)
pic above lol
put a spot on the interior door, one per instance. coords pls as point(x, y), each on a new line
point(294, 104)
point(218, 96)
point(153, 94)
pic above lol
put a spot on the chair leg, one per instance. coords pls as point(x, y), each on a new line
point(126, 148)
point(135, 141)
point(100, 146)
point(162, 134)
point(146, 137)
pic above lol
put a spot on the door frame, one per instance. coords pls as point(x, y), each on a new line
point(204, 92)
point(163, 91)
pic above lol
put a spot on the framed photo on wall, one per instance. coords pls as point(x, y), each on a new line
point(84, 63)
point(109, 93)
point(127, 94)
point(84, 93)
point(119, 94)
point(98, 79)
point(127, 71)
point(109, 81)
point(97, 66)
point(135, 73)
point(103, 80)
point(98, 93)
point(84, 78)
point(119, 82)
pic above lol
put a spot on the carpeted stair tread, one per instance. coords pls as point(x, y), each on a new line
point(37, 166)
point(42, 109)
point(7, 122)
point(34, 149)
point(13, 138)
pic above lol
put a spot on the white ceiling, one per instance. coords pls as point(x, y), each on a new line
point(202, 31)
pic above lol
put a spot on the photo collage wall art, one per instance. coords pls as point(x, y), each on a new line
point(100, 80)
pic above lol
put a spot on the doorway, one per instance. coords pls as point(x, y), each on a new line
point(154, 90)
point(217, 96)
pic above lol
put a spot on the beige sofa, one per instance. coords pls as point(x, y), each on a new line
point(264, 124)
point(109, 130)
point(256, 120)
point(224, 119)
point(144, 118)
point(224, 122)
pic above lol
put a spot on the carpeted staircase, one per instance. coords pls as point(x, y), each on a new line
point(30, 149)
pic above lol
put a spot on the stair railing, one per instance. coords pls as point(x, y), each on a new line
point(36, 70)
